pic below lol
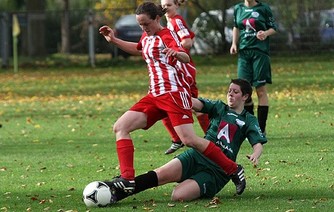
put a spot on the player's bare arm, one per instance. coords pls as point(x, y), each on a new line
point(257, 151)
point(235, 37)
point(187, 43)
point(129, 47)
point(180, 56)
point(197, 104)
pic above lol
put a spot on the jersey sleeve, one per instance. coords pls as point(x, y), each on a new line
point(253, 132)
point(180, 27)
point(171, 40)
point(270, 20)
point(235, 15)
point(210, 107)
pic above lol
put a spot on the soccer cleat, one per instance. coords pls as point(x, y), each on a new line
point(127, 186)
point(175, 146)
point(116, 193)
point(239, 179)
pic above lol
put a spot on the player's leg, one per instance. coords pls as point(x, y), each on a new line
point(214, 153)
point(142, 115)
point(203, 119)
point(263, 107)
point(170, 172)
point(176, 141)
point(245, 71)
point(182, 121)
point(128, 122)
point(208, 148)
point(201, 179)
point(262, 76)
point(249, 106)
point(186, 191)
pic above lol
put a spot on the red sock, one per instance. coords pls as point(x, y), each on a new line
point(215, 154)
point(170, 128)
point(125, 152)
point(204, 121)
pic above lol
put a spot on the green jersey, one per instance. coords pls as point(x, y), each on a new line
point(250, 20)
point(228, 129)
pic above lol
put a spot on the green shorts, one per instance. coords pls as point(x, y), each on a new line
point(210, 177)
point(254, 66)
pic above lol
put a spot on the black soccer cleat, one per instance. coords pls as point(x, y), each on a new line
point(239, 179)
point(128, 186)
point(117, 194)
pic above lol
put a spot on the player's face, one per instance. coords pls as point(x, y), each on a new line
point(171, 7)
point(147, 24)
point(235, 99)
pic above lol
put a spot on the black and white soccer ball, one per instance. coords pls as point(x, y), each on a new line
point(97, 194)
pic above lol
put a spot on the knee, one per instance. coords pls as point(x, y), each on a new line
point(261, 92)
point(187, 141)
point(114, 128)
point(177, 196)
point(117, 127)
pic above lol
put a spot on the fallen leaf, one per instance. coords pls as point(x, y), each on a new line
point(171, 205)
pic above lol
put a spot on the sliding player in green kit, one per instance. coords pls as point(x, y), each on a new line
point(198, 176)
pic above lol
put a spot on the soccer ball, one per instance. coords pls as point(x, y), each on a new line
point(97, 194)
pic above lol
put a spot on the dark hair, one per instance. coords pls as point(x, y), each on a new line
point(245, 86)
point(151, 9)
point(179, 2)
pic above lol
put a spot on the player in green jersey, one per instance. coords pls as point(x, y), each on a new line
point(198, 176)
point(253, 25)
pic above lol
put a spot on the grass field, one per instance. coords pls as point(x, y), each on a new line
point(56, 137)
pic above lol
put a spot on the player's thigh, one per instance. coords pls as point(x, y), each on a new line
point(188, 136)
point(209, 182)
point(245, 68)
point(262, 70)
point(186, 191)
point(130, 121)
point(169, 172)
point(177, 106)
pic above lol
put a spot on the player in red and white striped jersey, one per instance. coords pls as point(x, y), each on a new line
point(165, 75)
point(168, 94)
point(177, 24)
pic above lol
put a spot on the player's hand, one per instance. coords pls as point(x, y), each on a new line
point(261, 35)
point(169, 52)
point(107, 32)
point(253, 159)
point(234, 49)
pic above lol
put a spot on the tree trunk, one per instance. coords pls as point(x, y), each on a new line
point(65, 29)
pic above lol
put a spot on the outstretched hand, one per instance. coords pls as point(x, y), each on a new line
point(107, 32)
point(253, 159)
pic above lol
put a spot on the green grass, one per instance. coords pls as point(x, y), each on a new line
point(56, 137)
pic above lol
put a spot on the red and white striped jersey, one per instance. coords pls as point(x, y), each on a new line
point(164, 73)
point(179, 26)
